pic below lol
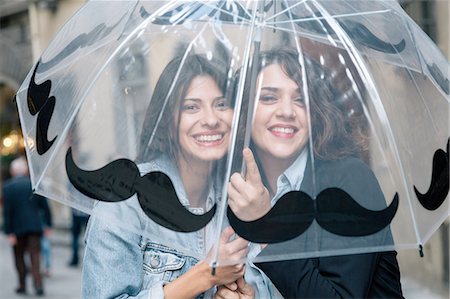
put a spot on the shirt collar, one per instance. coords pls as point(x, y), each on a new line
point(291, 179)
point(296, 171)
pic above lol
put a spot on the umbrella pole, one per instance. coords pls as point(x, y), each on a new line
point(253, 66)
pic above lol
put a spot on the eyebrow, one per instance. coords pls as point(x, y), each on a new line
point(199, 100)
point(276, 89)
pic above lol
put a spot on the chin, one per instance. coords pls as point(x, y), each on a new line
point(210, 157)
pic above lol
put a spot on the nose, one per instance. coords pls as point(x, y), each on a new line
point(209, 118)
point(285, 108)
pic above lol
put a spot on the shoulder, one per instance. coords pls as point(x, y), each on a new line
point(354, 177)
point(348, 168)
point(345, 163)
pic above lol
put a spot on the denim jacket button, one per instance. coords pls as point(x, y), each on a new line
point(154, 262)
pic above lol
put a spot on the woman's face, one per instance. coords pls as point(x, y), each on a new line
point(205, 121)
point(280, 126)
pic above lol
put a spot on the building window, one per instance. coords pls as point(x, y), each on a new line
point(423, 13)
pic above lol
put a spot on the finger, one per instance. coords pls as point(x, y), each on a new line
point(226, 294)
point(238, 258)
point(253, 174)
point(226, 234)
point(238, 182)
point(234, 198)
point(240, 282)
point(231, 286)
point(247, 290)
point(237, 245)
point(242, 254)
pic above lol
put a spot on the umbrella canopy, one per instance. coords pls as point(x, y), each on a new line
point(103, 136)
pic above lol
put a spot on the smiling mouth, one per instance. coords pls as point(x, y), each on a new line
point(209, 139)
point(286, 132)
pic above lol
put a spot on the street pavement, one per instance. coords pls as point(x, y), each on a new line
point(65, 282)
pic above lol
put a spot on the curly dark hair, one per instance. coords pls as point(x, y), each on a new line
point(333, 135)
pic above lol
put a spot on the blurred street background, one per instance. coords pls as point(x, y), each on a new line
point(27, 27)
point(63, 282)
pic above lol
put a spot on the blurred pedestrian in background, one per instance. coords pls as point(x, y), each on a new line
point(22, 223)
point(79, 222)
point(46, 246)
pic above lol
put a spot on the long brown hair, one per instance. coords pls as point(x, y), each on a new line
point(171, 89)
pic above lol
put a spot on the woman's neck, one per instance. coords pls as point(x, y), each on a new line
point(195, 176)
point(272, 169)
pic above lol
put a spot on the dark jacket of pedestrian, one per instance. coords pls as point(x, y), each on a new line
point(22, 208)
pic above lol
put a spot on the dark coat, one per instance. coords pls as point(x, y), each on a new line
point(369, 275)
point(23, 210)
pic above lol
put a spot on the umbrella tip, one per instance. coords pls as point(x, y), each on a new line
point(421, 250)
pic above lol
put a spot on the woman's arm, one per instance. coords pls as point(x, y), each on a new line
point(113, 266)
point(113, 262)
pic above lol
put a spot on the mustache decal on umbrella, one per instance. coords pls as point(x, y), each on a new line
point(195, 11)
point(120, 179)
point(334, 210)
point(223, 11)
point(437, 74)
point(439, 186)
point(40, 103)
point(81, 41)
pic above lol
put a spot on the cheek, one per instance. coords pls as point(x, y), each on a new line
point(227, 118)
point(260, 118)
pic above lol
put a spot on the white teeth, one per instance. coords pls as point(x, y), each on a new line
point(283, 130)
point(208, 138)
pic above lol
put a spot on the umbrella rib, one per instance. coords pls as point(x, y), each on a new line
point(287, 9)
point(421, 61)
point(359, 64)
point(242, 79)
point(307, 19)
point(308, 109)
point(220, 9)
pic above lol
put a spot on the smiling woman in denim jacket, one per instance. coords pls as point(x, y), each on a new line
point(129, 260)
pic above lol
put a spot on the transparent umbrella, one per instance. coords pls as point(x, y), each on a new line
point(94, 120)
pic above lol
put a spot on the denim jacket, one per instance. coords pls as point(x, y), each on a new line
point(127, 255)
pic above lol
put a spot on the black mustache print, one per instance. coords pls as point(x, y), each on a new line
point(357, 31)
point(439, 186)
point(81, 41)
point(334, 210)
point(190, 8)
point(38, 101)
point(363, 35)
point(227, 13)
point(443, 82)
point(120, 179)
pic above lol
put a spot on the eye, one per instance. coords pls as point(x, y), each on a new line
point(189, 107)
point(268, 98)
point(299, 101)
point(222, 104)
